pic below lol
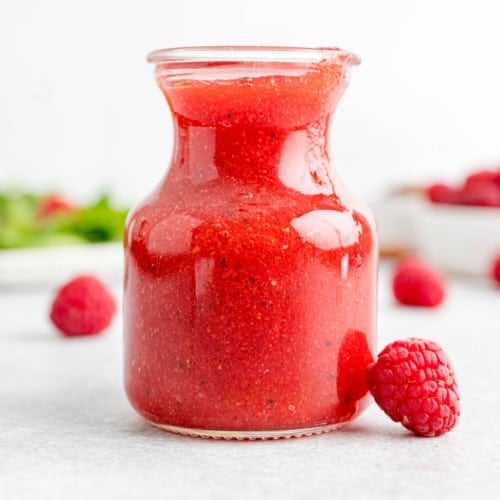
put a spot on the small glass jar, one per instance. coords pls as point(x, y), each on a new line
point(250, 284)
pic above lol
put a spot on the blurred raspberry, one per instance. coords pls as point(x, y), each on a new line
point(442, 193)
point(497, 178)
point(495, 269)
point(416, 283)
point(481, 177)
point(480, 193)
point(83, 306)
point(54, 204)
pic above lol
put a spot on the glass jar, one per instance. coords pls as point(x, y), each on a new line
point(250, 285)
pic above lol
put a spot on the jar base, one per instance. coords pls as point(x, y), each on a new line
point(249, 435)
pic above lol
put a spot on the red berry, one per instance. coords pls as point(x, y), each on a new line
point(481, 177)
point(416, 283)
point(83, 306)
point(480, 193)
point(414, 383)
point(54, 204)
point(495, 270)
point(442, 193)
point(497, 178)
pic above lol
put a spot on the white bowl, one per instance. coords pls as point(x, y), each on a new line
point(395, 216)
point(458, 239)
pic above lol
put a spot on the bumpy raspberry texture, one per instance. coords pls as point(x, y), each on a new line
point(416, 283)
point(414, 383)
point(83, 306)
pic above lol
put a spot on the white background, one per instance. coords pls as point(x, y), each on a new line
point(79, 110)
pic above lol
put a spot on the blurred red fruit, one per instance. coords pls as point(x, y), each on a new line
point(495, 270)
point(416, 283)
point(442, 193)
point(480, 193)
point(54, 204)
point(83, 306)
point(481, 177)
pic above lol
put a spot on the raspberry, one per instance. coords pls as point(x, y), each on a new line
point(481, 176)
point(83, 306)
point(414, 383)
point(442, 193)
point(480, 193)
point(495, 269)
point(54, 204)
point(481, 188)
point(416, 283)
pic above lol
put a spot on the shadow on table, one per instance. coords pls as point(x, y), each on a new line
point(356, 430)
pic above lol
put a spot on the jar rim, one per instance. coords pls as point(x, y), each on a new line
point(250, 53)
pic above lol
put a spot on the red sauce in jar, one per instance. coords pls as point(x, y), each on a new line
point(250, 272)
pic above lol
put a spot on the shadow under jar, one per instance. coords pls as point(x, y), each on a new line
point(250, 284)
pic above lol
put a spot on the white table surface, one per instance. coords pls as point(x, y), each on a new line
point(68, 432)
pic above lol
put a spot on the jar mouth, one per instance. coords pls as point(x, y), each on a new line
point(232, 54)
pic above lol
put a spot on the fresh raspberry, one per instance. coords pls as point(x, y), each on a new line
point(83, 306)
point(414, 383)
point(442, 193)
point(495, 269)
point(52, 205)
point(416, 283)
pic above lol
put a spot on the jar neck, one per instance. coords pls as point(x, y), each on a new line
point(266, 155)
point(254, 121)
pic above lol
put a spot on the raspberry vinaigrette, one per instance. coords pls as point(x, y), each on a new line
point(250, 286)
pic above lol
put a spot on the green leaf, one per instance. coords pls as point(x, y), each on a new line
point(20, 225)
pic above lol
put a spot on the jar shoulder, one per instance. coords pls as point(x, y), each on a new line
point(249, 219)
point(224, 200)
